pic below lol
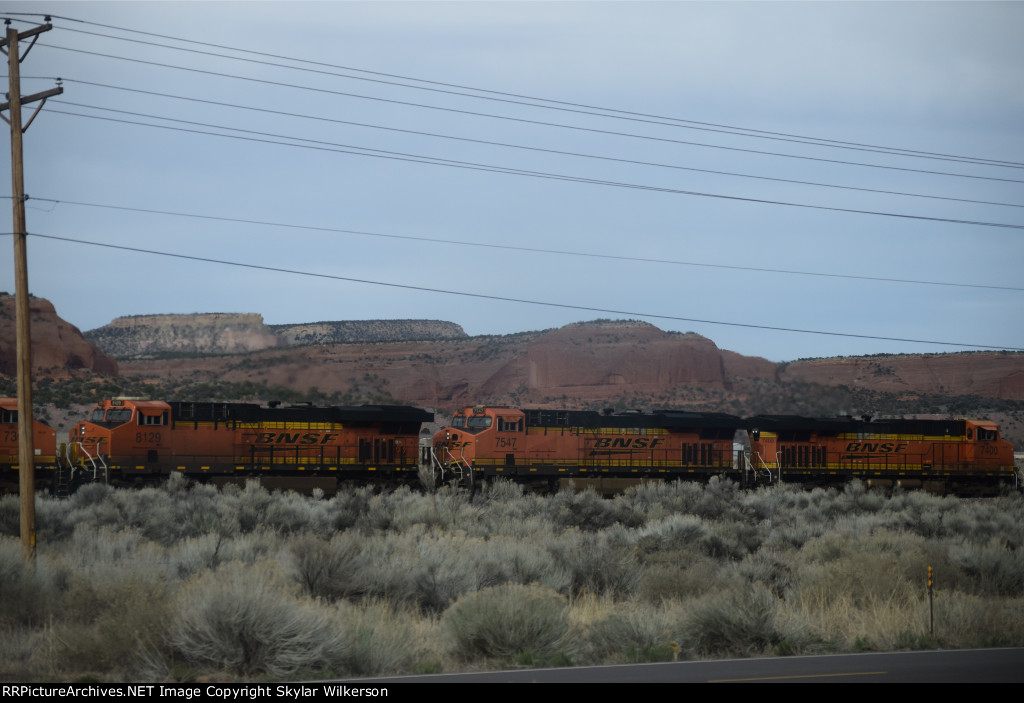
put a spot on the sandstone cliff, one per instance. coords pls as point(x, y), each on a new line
point(57, 347)
point(147, 336)
point(207, 333)
point(361, 331)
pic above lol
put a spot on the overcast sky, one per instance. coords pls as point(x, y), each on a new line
point(939, 78)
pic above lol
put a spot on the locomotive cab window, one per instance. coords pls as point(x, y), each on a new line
point(159, 420)
point(510, 424)
point(987, 435)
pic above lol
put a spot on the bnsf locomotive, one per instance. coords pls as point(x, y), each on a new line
point(129, 441)
point(610, 449)
point(44, 440)
point(605, 451)
point(943, 454)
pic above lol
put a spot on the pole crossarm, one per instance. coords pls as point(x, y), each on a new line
point(34, 33)
point(59, 90)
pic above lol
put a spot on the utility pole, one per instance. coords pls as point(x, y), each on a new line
point(26, 450)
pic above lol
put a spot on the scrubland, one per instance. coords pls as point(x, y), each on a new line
point(186, 582)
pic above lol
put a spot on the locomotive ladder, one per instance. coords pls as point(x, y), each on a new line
point(62, 475)
point(763, 468)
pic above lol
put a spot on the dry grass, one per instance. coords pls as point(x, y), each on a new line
point(180, 582)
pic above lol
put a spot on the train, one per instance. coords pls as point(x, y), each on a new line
point(133, 441)
point(610, 450)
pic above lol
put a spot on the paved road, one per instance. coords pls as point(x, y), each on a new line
point(974, 665)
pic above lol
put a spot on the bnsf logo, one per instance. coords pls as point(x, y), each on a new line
point(627, 443)
point(294, 438)
point(871, 447)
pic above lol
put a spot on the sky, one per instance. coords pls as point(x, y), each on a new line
point(733, 169)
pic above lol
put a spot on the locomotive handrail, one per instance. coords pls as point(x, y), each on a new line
point(465, 468)
point(764, 467)
point(92, 462)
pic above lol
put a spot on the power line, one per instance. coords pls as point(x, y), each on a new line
point(528, 121)
point(524, 301)
point(515, 146)
point(319, 145)
point(554, 104)
point(508, 247)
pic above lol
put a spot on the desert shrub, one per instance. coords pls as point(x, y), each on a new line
point(198, 509)
point(384, 640)
point(349, 506)
point(586, 510)
point(501, 491)
point(658, 499)
point(10, 516)
point(209, 551)
point(670, 579)
point(720, 500)
point(29, 594)
point(111, 618)
point(993, 569)
point(23, 653)
point(963, 620)
point(251, 505)
point(416, 569)
point(596, 564)
point(289, 513)
point(507, 621)
point(670, 532)
point(856, 498)
point(447, 508)
point(326, 568)
point(90, 494)
point(765, 569)
point(737, 623)
point(633, 633)
point(843, 568)
point(245, 619)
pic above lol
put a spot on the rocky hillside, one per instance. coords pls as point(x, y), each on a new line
point(609, 364)
point(992, 375)
point(149, 336)
point(622, 364)
point(57, 347)
point(587, 363)
point(362, 331)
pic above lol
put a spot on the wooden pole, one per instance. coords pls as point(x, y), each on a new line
point(26, 448)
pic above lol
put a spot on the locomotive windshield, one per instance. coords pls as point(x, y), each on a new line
point(475, 424)
point(114, 415)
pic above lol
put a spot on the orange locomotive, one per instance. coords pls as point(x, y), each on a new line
point(606, 450)
point(44, 441)
point(127, 440)
point(942, 454)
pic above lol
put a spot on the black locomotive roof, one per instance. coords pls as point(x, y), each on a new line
point(846, 424)
point(250, 412)
point(659, 419)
